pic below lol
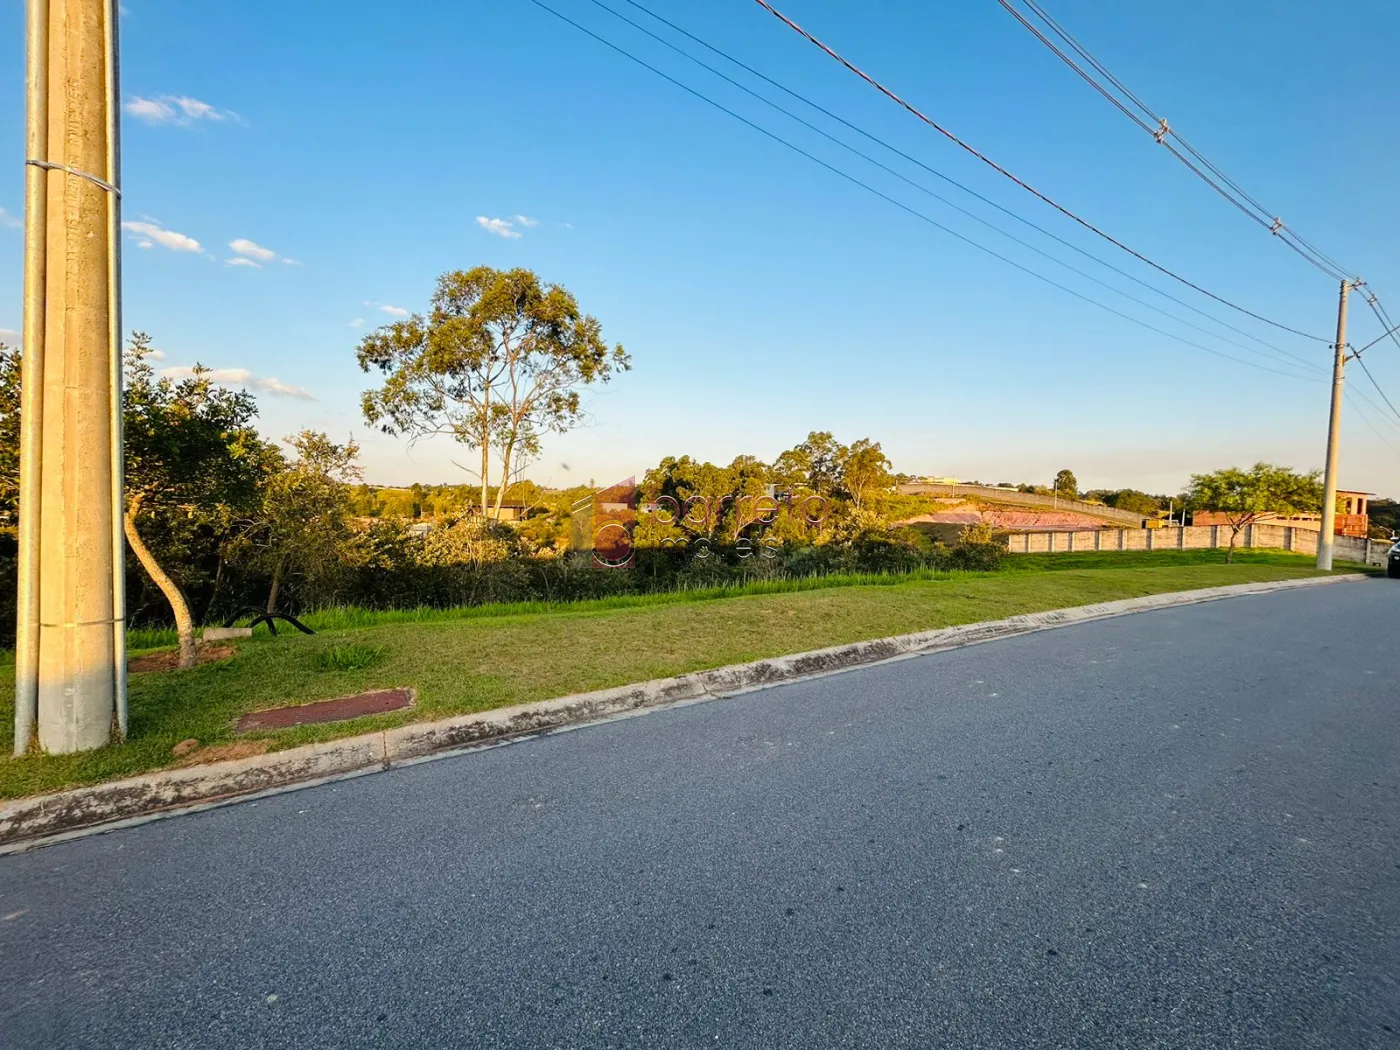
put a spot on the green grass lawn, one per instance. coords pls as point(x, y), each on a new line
point(475, 659)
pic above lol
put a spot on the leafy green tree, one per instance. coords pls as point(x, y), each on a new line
point(814, 464)
point(865, 471)
point(1066, 485)
point(1246, 496)
point(496, 363)
point(1386, 514)
point(1133, 501)
point(306, 509)
point(397, 503)
point(10, 368)
point(191, 450)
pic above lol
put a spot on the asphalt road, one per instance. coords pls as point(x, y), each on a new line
point(1176, 829)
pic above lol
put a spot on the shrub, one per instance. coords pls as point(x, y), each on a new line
point(978, 549)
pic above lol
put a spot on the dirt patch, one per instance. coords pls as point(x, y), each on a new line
point(169, 659)
point(338, 710)
point(223, 752)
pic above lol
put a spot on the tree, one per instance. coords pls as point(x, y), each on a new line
point(865, 471)
point(497, 363)
point(815, 464)
point(1386, 514)
point(10, 369)
point(1066, 485)
point(1245, 496)
point(190, 450)
point(306, 508)
point(1134, 502)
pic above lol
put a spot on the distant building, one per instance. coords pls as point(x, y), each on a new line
point(1353, 517)
point(509, 511)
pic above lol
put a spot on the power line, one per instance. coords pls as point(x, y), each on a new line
point(936, 196)
point(1162, 133)
point(1021, 182)
point(1275, 224)
point(900, 204)
point(1374, 429)
point(1390, 333)
point(1390, 329)
point(938, 174)
point(1382, 315)
point(1361, 361)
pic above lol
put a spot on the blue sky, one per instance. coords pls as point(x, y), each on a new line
point(362, 145)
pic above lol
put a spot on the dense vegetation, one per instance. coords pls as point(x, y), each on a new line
point(221, 519)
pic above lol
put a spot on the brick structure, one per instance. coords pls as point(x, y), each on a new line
point(1353, 518)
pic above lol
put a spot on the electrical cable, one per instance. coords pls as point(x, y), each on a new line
point(938, 197)
point(1367, 420)
point(1382, 315)
point(1163, 133)
point(932, 171)
point(1361, 361)
point(1021, 182)
point(900, 204)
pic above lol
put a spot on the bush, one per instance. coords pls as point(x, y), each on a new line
point(470, 562)
point(978, 550)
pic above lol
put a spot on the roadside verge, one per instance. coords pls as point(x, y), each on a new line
point(27, 822)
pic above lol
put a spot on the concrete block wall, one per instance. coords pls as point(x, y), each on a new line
point(1196, 537)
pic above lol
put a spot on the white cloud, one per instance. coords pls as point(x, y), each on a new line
point(243, 377)
point(9, 336)
point(273, 385)
point(240, 261)
point(156, 355)
point(499, 227)
point(527, 222)
point(252, 250)
point(388, 308)
point(150, 231)
point(10, 222)
point(149, 110)
point(174, 109)
point(144, 244)
point(291, 262)
point(358, 322)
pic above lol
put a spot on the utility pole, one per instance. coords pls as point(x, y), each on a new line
point(70, 665)
point(1334, 428)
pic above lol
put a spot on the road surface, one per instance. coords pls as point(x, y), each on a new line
point(1175, 829)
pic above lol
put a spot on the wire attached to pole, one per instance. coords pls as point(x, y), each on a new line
point(1021, 182)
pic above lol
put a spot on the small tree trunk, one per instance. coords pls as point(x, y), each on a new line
point(1230, 551)
point(506, 457)
point(485, 448)
point(276, 587)
point(184, 623)
point(214, 591)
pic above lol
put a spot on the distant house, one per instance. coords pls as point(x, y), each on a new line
point(509, 511)
point(1353, 517)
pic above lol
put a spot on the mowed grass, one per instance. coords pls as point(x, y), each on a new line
point(475, 659)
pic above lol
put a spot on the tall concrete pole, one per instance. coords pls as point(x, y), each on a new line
point(1334, 435)
point(70, 658)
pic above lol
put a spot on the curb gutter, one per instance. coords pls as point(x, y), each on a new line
point(24, 821)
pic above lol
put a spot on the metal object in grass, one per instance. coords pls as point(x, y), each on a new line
point(263, 616)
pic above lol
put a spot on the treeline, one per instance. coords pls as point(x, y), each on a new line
point(219, 519)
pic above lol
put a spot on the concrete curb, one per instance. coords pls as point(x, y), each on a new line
point(25, 822)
